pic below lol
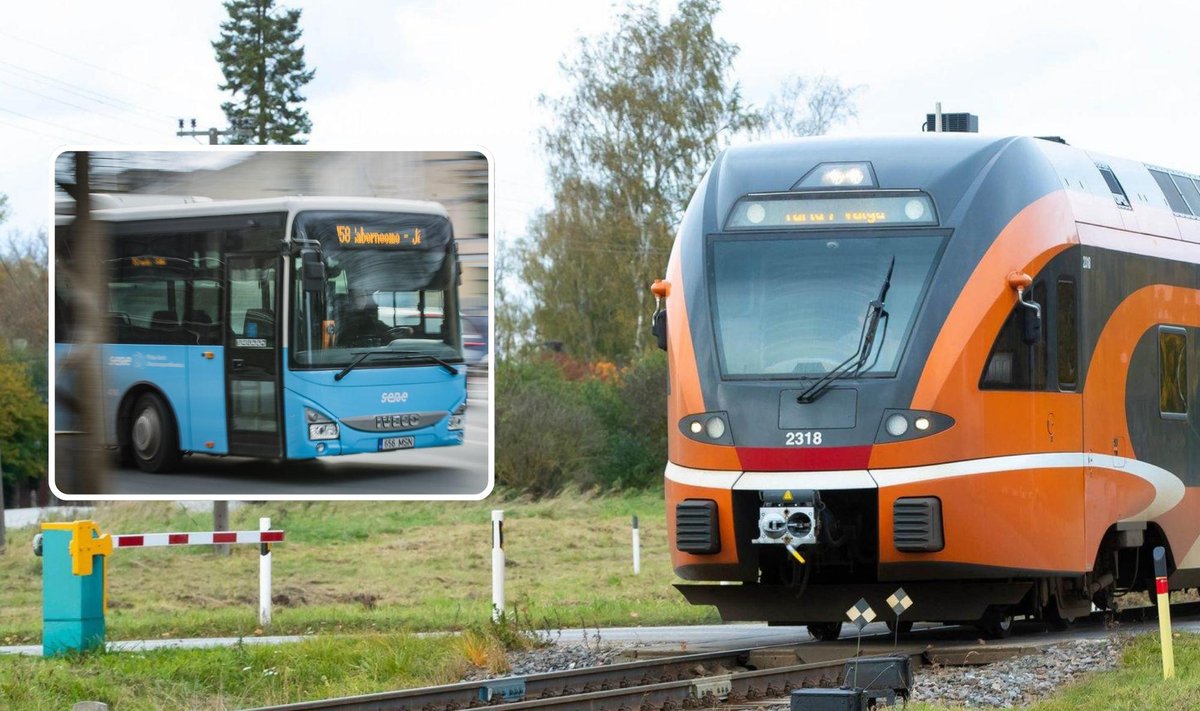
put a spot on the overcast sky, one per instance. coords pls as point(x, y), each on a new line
point(1114, 77)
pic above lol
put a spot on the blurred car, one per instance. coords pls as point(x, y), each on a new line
point(475, 340)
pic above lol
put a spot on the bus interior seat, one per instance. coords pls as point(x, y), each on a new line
point(200, 324)
point(164, 319)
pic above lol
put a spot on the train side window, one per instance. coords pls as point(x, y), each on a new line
point(1066, 336)
point(1172, 372)
point(1191, 195)
point(1174, 197)
point(1013, 364)
point(1114, 186)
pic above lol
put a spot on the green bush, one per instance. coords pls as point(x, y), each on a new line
point(563, 423)
point(546, 435)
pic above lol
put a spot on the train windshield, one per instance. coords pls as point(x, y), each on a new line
point(795, 307)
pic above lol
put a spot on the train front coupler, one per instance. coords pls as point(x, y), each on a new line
point(790, 518)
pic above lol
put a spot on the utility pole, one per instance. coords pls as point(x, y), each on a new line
point(213, 133)
point(220, 508)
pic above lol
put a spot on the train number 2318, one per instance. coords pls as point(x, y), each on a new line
point(802, 439)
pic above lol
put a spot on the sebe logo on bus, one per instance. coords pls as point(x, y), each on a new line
point(393, 397)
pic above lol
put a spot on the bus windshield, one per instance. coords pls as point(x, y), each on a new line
point(390, 285)
point(795, 307)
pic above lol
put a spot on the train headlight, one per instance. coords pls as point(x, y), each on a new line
point(903, 425)
point(714, 428)
point(914, 209)
point(896, 425)
point(839, 175)
point(707, 427)
point(755, 213)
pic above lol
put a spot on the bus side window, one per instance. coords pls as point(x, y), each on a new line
point(1013, 365)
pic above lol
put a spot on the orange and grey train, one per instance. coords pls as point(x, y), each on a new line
point(961, 365)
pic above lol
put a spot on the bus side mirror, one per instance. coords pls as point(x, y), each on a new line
point(312, 272)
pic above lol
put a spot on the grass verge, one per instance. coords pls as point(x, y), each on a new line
point(351, 567)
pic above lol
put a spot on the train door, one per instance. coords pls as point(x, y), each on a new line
point(252, 355)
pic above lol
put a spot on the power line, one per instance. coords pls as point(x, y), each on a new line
point(77, 106)
point(86, 63)
point(81, 91)
point(59, 125)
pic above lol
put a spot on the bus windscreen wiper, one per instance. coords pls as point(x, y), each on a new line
point(400, 355)
point(854, 364)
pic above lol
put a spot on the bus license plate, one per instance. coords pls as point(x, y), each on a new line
point(389, 443)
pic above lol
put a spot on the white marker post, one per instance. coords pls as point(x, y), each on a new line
point(264, 576)
point(497, 563)
point(637, 547)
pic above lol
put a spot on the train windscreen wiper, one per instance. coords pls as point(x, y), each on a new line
point(866, 342)
point(399, 355)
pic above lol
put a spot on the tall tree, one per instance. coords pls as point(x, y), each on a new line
point(652, 103)
point(650, 106)
point(264, 69)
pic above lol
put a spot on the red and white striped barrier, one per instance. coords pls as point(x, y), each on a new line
point(208, 538)
point(262, 538)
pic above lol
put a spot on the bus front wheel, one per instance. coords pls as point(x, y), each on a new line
point(153, 441)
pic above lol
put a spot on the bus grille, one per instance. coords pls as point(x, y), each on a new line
point(917, 524)
point(696, 529)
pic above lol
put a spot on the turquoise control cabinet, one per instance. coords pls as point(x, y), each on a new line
point(73, 588)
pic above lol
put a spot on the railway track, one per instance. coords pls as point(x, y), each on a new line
point(695, 681)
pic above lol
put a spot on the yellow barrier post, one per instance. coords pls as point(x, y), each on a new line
point(1164, 612)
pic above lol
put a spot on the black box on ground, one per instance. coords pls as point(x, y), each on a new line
point(828, 700)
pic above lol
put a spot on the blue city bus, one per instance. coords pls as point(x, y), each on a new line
point(286, 328)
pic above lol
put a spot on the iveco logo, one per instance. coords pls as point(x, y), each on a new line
point(393, 397)
point(395, 422)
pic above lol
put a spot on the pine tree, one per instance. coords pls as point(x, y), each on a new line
point(264, 69)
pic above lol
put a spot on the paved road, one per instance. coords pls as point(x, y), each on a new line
point(437, 471)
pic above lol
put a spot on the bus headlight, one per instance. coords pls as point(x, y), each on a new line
point(319, 426)
point(323, 430)
point(455, 422)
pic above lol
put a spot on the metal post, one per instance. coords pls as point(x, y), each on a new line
point(937, 118)
point(497, 563)
point(264, 576)
point(637, 547)
point(221, 523)
point(1164, 612)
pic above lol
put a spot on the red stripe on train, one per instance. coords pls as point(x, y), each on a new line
point(776, 459)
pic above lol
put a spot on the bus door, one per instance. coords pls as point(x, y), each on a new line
point(252, 356)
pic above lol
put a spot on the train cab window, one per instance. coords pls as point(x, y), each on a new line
point(1013, 364)
point(1174, 197)
point(1066, 336)
point(1172, 372)
point(1114, 186)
